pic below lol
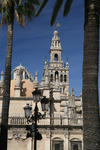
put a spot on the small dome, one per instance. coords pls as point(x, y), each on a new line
point(55, 32)
point(20, 67)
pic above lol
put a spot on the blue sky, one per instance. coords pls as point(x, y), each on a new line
point(31, 45)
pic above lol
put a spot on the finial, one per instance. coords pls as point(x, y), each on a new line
point(81, 94)
point(67, 65)
point(35, 82)
point(67, 59)
point(2, 76)
point(46, 60)
point(72, 92)
point(2, 73)
point(57, 25)
point(45, 57)
point(36, 74)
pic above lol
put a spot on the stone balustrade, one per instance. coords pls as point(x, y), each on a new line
point(56, 121)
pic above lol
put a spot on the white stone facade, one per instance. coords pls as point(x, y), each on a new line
point(62, 127)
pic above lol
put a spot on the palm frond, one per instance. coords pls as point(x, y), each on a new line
point(0, 7)
point(41, 7)
point(4, 2)
point(4, 16)
point(22, 20)
point(3, 20)
point(16, 15)
point(67, 7)
point(57, 6)
point(18, 2)
point(36, 2)
point(29, 10)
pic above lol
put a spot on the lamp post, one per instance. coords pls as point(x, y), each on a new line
point(33, 118)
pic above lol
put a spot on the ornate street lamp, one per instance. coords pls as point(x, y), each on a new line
point(36, 95)
point(28, 111)
point(34, 133)
point(44, 103)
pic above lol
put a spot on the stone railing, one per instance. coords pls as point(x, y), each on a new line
point(56, 121)
point(17, 121)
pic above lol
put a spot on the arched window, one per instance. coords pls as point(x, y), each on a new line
point(55, 43)
point(76, 144)
point(56, 57)
point(61, 78)
point(56, 75)
point(51, 78)
point(65, 79)
point(21, 75)
point(26, 76)
point(57, 144)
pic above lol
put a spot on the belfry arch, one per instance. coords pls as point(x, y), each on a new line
point(57, 144)
point(55, 57)
point(56, 75)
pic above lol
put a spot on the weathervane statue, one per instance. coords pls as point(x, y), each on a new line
point(57, 25)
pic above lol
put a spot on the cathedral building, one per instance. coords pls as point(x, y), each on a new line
point(62, 127)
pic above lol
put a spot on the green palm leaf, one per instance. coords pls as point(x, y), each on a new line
point(57, 6)
point(41, 7)
point(67, 7)
point(36, 2)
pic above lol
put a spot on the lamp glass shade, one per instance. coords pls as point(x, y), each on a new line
point(36, 95)
point(44, 103)
point(28, 110)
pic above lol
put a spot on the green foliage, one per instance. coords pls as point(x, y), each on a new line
point(57, 7)
point(41, 7)
point(67, 7)
point(22, 8)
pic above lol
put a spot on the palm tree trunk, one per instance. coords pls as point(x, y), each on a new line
point(6, 94)
point(91, 121)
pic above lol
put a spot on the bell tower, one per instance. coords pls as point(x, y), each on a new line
point(55, 51)
point(56, 74)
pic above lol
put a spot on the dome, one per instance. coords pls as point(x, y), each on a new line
point(55, 32)
point(55, 36)
point(20, 67)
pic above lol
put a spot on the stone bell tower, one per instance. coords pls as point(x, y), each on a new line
point(58, 73)
point(55, 72)
point(55, 51)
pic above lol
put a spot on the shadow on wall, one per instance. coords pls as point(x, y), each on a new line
point(23, 90)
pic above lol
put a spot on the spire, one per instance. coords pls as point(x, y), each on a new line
point(2, 76)
point(46, 64)
point(42, 81)
point(57, 83)
point(18, 79)
point(72, 92)
point(55, 43)
point(67, 64)
point(72, 99)
point(17, 89)
point(36, 77)
point(46, 73)
point(36, 80)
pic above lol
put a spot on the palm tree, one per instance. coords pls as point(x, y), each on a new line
point(10, 9)
point(91, 121)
